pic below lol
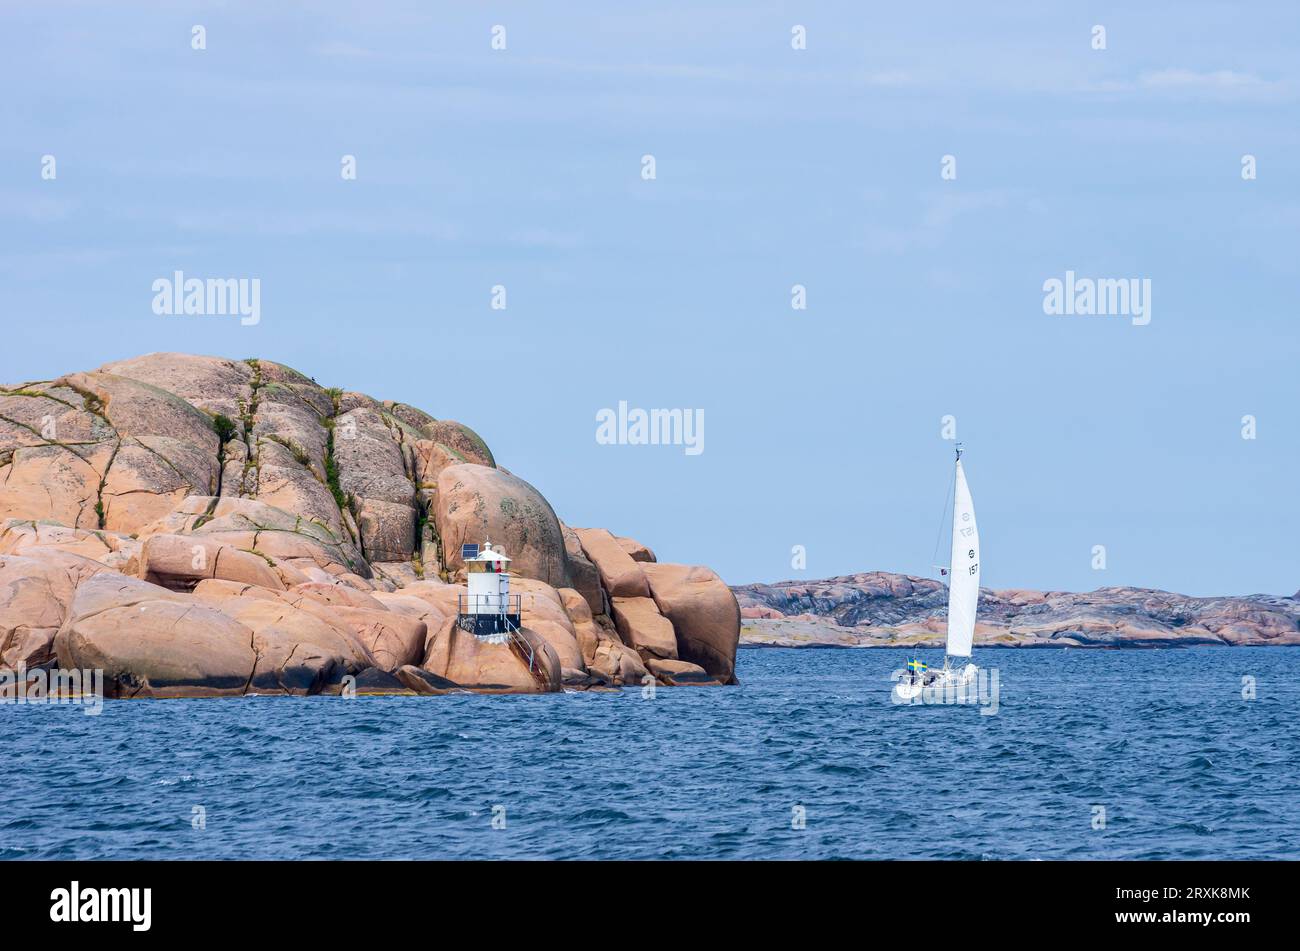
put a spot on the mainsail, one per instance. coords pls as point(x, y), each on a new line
point(964, 591)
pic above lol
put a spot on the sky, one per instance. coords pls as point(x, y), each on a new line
point(524, 168)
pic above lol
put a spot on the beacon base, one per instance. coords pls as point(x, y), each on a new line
point(488, 625)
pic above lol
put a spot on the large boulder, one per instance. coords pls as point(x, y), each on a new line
point(604, 655)
point(440, 444)
point(339, 595)
point(392, 640)
point(46, 414)
point(440, 597)
point(677, 673)
point(643, 628)
point(478, 664)
point(543, 612)
point(277, 452)
point(213, 384)
point(297, 652)
point(583, 576)
point(34, 596)
point(280, 536)
point(703, 612)
point(464, 443)
point(135, 410)
point(430, 459)
point(620, 576)
point(387, 529)
point(285, 481)
point(96, 450)
point(420, 681)
point(111, 549)
point(393, 575)
point(635, 549)
point(618, 664)
point(399, 602)
point(585, 629)
point(54, 482)
point(217, 590)
point(182, 561)
point(165, 448)
point(152, 642)
point(386, 639)
point(148, 476)
point(376, 473)
point(477, 503)
point(379, 637)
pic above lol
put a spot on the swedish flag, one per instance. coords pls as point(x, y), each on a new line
point(916, 665)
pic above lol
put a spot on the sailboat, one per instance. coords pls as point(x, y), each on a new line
point(955, 681)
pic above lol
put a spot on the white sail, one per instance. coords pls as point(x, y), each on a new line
point(964, 591)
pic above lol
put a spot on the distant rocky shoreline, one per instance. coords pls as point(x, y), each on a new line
point(881, 609)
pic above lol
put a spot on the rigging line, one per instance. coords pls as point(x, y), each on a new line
point(938, 537)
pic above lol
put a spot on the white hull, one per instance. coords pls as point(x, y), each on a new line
point(907, 692)
point(943, 686)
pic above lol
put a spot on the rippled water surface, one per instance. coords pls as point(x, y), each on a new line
point(1163, 740)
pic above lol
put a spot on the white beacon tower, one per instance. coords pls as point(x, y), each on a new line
point(488, 609)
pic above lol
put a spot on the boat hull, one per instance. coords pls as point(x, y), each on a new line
point(946, 687)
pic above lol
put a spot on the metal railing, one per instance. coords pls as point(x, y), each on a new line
point(489, 604)
point(523, 642)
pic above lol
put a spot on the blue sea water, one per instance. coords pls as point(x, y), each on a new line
point(1183, 765)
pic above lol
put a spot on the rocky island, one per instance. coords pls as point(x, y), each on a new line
point(198, 526)
point(880, 609)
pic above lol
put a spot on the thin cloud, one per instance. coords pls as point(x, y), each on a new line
point(339, 49)
point(1190, 79)
point(1220, 84)
point(318, 222)
point(547, 239)
point(933, 225)
point(41, 209)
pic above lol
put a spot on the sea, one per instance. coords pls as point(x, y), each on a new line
point(1087, 754)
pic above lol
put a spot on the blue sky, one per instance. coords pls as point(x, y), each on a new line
point(819, 167)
